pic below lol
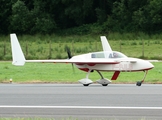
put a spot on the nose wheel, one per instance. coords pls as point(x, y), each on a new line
point(139, 83)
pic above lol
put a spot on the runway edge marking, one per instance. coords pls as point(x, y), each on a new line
point(82, 107)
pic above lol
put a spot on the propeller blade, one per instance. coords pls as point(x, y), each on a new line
point(68, 52)
point(70, 56)
point(73, 68)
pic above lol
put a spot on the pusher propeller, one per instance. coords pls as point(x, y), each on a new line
point(69, 56)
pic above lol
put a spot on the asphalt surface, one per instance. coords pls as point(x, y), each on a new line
point(115, 101)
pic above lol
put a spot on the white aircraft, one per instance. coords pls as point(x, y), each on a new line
point(106, 60)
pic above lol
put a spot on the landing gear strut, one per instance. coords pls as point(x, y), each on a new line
point(103, 80)
point(139, 83)
point(86, 81)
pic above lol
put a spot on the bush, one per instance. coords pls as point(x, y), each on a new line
point(134, 43)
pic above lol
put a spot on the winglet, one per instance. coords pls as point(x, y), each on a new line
point(17, 54)
point(105, 44)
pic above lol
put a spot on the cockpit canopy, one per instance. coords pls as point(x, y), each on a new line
point(108, 54)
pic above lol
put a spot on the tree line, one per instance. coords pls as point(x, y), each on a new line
point(80, 16)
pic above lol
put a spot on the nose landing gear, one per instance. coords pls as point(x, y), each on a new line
point(139, 83)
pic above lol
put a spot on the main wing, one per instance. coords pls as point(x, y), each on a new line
point(19, 58)
point(77, 61)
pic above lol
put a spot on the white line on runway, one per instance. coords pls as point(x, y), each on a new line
point(83, 107)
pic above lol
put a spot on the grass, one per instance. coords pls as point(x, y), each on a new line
point(53, 46)
point(50, 47)
point(63, 73)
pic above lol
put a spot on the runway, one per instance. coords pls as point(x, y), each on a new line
point(116, 101)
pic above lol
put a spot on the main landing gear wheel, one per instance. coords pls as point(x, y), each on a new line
point(85, 84)
point(104, 84)
point(86, 81)
point(103, 81)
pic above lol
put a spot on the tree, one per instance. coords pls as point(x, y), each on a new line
point(43, 22)
point(20, 15)
point(103, 9)
point(5, 8)
point(39, 16)
point(149, 17)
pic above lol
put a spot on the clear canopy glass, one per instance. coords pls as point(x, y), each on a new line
point(107, 54)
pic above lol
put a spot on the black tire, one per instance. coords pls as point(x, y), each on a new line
point(139, 83)
point(104, 84)
point(85, 84)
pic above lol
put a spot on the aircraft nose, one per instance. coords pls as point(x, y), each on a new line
point(150, 65)
point(145, 65)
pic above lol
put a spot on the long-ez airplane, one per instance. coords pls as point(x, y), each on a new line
point(106, 60)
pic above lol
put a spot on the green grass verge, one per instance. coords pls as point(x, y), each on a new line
point(63, 73)
point(53, 46)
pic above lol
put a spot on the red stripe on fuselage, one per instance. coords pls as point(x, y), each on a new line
point(84, 69)
point(115, 76)
point(91, 64)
